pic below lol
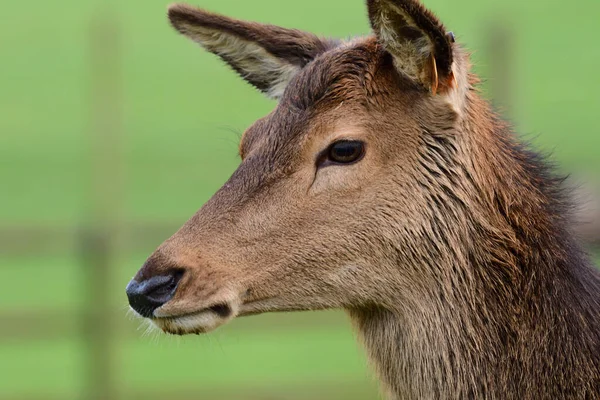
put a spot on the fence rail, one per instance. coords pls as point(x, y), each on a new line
point(44, 240)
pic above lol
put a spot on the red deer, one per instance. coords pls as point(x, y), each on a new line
point(383, 184)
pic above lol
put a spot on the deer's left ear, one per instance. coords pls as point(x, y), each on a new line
point(417, 40)
point(266, 56)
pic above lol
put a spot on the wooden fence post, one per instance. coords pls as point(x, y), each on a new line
point(500, 50)
point(99, 240)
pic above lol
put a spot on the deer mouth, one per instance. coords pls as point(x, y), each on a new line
point(195, 322)
point(177, 320)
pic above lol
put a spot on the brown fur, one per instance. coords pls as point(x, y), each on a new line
point(449, 243)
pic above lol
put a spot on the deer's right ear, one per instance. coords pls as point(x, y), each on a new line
point(417, 40)
point(264, 55)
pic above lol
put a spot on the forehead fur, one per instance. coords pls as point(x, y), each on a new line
point(341, 74)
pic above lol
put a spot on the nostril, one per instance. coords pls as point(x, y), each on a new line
point(222, 310)
point(149, 294)
point(166, 288)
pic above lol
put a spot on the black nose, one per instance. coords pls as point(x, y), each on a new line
point(147, 295)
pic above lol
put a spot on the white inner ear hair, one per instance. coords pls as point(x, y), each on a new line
point(254, 62)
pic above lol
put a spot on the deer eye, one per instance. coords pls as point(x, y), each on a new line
point(345, 151)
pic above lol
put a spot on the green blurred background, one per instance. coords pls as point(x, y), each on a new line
point(114, 130)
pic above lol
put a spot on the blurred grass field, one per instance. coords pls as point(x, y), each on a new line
point(183, 114)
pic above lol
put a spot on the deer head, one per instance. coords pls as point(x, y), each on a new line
point(342, 196)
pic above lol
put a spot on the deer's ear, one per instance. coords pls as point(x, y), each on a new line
point(417, 40)
point(264, 55)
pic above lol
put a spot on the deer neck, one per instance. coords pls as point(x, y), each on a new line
point(433, 349)
point(472, 346)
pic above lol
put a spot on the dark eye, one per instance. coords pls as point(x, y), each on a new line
point(345, 151)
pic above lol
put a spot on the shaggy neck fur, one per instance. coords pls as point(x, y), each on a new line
point(510, 309)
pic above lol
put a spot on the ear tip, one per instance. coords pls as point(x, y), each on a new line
point(181, 13)
point(174, 9)
point(176, 12)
